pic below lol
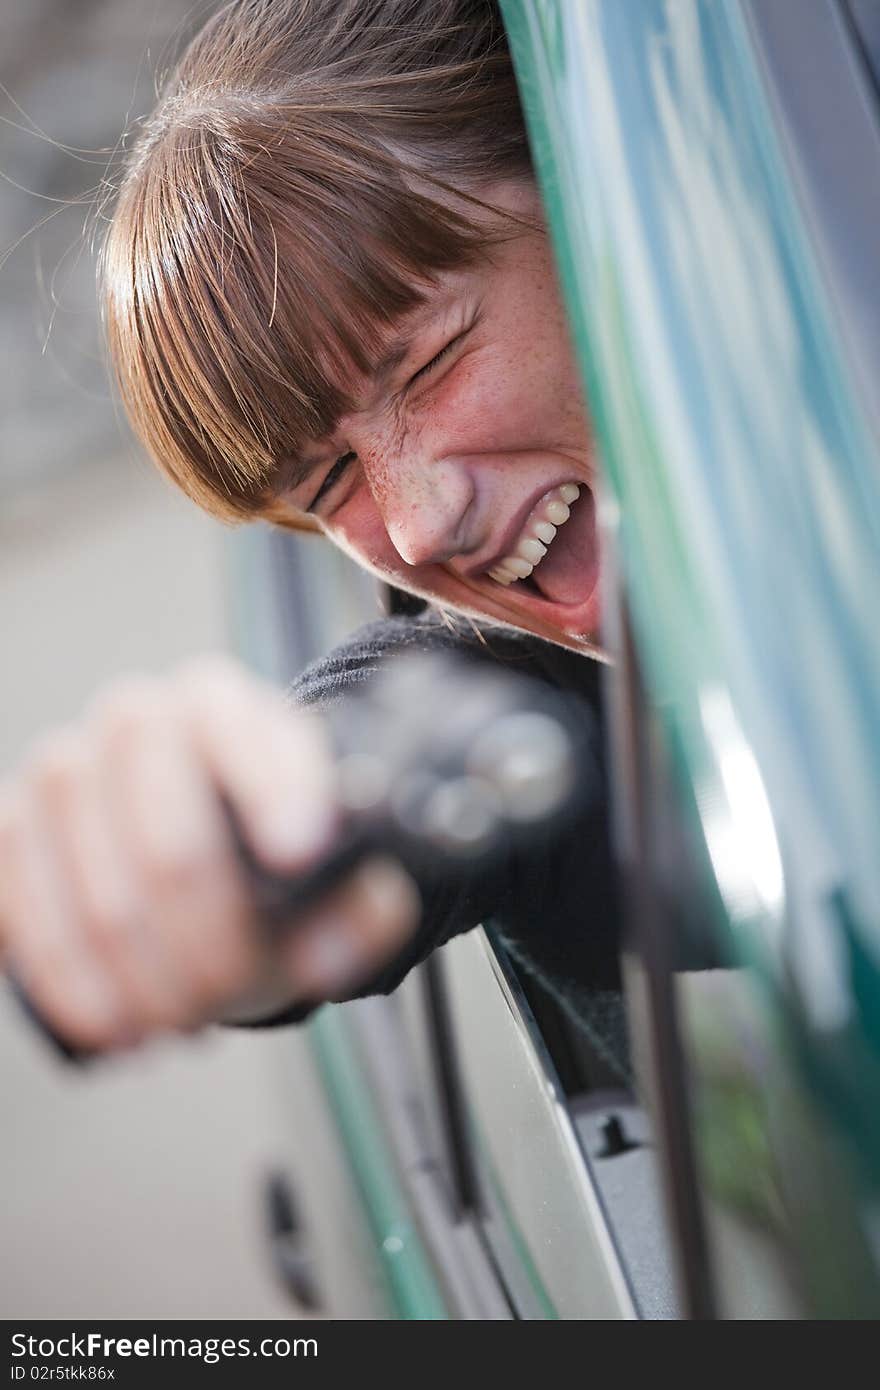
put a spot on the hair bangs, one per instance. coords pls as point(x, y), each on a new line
point(312, 168)
point(247, 292)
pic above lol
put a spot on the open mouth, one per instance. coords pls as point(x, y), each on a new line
point(553, 564)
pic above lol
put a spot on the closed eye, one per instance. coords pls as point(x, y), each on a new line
point(436, 360)
point(332, 478)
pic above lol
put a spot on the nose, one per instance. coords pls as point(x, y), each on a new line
point(426, 506)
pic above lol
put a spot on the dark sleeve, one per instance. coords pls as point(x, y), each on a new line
point(557, 912)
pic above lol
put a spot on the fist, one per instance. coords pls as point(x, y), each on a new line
point(124, 910)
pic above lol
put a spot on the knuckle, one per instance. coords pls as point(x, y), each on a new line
point(174, 870)
point(121, 710)
point(108, 926)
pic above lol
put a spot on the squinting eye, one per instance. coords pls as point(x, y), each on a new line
point(429, 366)
point(332, 478)
point(453, 343)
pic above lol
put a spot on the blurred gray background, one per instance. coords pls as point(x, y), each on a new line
point(134, 1191)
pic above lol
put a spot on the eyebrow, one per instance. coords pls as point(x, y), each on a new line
point(397, 353)
point(297, 472)
point(400, 348)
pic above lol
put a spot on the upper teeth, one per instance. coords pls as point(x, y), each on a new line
point(535, 539)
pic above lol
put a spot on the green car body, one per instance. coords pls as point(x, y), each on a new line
point(743, 469)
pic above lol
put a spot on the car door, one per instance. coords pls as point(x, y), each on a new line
point(712, 178)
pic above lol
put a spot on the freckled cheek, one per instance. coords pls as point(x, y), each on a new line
point(469, 407)
point(358, 528)
point(504, 415)
point(378, 472)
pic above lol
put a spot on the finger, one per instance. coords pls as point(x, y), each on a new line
point(354, 933)
point(50, 958)
point(273, 763)
point(113, 911)
point(90, 871)
point(197, 920)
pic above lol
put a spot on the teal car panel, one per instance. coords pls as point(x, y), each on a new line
point(742, 486)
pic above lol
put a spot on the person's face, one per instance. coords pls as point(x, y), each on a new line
point(457, 471)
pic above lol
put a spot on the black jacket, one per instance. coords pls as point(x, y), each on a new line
point(558, 918)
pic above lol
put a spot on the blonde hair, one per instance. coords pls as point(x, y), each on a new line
point(311, 166)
